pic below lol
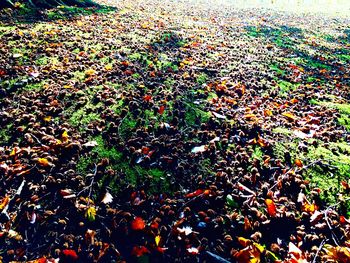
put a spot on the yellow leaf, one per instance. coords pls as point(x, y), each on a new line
point(108, 67)
point(79, 23)
point(90, 72)
point(289, 116)
point(13, 152)
point(47, 118)
point(259, 247)
point(43, 162)
point(186, 75)
point(65, 136)
point(157, 239)
point(244, 241)
point(90, 213)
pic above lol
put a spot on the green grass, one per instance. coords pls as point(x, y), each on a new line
point(5, 134)
point(6, 29)
point(286, 86)
point(344, 110)
point(202, 78)
point(335, 167)
point(277, 69)
point(281, 130)
point(34, 86)
point(194, 116)
point(132, 174)
point(127, 125)
point(79, 75)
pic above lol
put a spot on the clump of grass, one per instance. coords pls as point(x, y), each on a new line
point(281, 130)
point(130, 174)
point(127, 125)
point(202, 78)
point(194, 116)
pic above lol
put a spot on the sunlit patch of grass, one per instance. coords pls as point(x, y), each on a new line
point(277, 69)
point(202, 78)
point(194, 116)
point(282, 130)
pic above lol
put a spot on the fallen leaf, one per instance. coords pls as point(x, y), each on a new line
point(4, 202)
point(298, 163)
point(289, 116)
point(70, 254)
point(199, 149)
point(138, 224)
point(271, 207)
point(43, 162)
point(157, 239)
point(161, 109)
point(108, 198)
point(139, 251)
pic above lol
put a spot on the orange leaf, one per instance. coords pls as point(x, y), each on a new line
point(267, 113)
point(345, 185)
point(43, 162)
point(298, 163)
point(39, 260)
point(4, 202)
point(47, 118)
point(195, 193)
point(138, 224)
point(70, 254)
point(309, 208)
point(293, 101)
point(271, 207)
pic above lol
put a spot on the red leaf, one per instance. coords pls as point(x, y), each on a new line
point(147, 98)
point(161, 109)
point(195, 193)
point(342, 220)
point(345, 185)
point(139, 251)
point(138, 224)
point(71, 254)
point(271, 207)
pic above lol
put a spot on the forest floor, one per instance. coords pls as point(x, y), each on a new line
point(164, 131)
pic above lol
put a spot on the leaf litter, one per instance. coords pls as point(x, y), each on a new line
point(150, 133)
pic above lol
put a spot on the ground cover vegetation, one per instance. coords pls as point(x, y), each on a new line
point(161, 131)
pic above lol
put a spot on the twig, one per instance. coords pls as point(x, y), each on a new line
point(90, 185)
point(319, 249)
point(92, 182)
point(334, 237)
